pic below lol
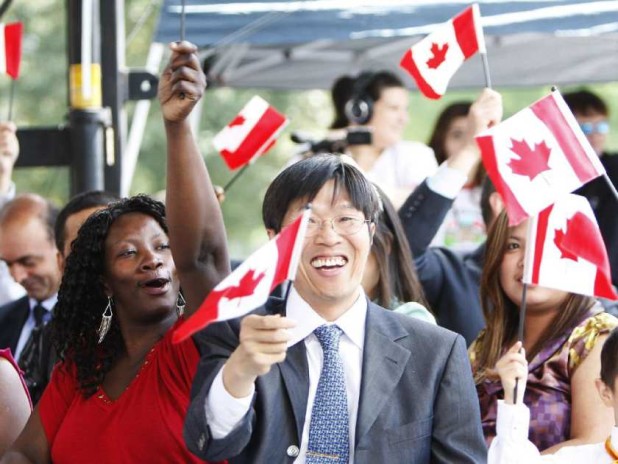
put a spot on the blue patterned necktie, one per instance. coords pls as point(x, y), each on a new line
point(329, 439)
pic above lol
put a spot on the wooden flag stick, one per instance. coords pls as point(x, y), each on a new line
point(182, 21)
point(486, 70)
point(235, 178)
point(520, 330)
point(11, 99)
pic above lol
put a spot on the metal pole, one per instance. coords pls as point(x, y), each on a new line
point(86, 116)
point(114, 91)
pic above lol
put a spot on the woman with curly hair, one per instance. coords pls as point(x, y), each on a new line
point(121, 390)
point(564, 334)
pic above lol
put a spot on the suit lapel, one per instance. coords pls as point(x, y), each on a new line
point(295, 373)
point(14, 322)
point(384, 362)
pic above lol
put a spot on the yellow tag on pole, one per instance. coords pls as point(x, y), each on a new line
point(85, 86)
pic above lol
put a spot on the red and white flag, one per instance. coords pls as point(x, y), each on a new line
point(565, 250)
point(435, 59)
point(537, 155)
point(250, 134)
point(10, 48)
point(249, 286)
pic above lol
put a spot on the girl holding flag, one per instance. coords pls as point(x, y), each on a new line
point(564, 333)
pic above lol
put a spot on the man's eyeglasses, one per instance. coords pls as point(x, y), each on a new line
point(343, 225)
point(589, 128)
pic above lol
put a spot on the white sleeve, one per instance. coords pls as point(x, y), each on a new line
point(223, 411)
point(511, 445)
point(447, 181)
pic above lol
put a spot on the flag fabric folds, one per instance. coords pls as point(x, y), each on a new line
point(250, 134)
point(435, 59)
point(10, 48)
point(537, 155)
point(565, 250)
point(249, 286)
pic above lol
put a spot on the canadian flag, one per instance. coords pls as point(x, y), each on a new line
point(565, 250)
point(249, 286)
point(250, 134)
point(10, 48)
point(435, 59)
point(537, 155)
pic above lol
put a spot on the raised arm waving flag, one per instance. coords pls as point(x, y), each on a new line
point(536, 156)
point(565, 250)
point(435, 59)
point(249, 286)
point(250, 134)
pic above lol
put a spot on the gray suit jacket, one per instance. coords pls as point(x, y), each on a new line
point(417, 401)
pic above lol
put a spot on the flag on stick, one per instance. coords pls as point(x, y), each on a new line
point(10, 48)
point(565, 250)
point(435, 59)
point(250, 134)
point(537, 155)
point(249, 286)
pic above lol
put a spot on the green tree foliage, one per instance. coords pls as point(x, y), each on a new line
point(41, 100)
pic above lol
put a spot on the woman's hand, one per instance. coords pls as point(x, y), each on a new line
point(182, 82)
point(513, 368)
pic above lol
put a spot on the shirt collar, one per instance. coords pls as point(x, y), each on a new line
point(352, 322)
point(48, 304)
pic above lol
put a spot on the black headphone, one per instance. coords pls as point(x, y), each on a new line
point(359, 108)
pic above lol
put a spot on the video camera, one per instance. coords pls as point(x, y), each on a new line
point(353, 136)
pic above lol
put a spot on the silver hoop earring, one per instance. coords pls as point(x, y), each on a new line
point(180, 304)
point(106, 320)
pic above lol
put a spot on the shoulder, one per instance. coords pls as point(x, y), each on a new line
point(417, 331)
point(416, 310)
point(584, 337)
point(8, 309)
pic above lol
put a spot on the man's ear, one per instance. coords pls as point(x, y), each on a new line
point(372, 232)
point(605, 392)
point(271, 233)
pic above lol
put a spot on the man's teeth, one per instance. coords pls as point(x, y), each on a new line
point(328, 262)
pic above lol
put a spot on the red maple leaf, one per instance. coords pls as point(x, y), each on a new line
point(239, 120)
point(559, 238)
point(438, 55)
point(531, 162)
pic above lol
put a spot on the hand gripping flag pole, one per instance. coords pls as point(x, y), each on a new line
point(520, 330)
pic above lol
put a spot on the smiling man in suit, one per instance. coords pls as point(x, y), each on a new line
point(327, 376)
point(27, 247)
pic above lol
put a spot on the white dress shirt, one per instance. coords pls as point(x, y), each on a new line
point(30, 322)
point(224, 412)
point(511, 444)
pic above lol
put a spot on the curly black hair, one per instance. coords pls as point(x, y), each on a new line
point(81, 298)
